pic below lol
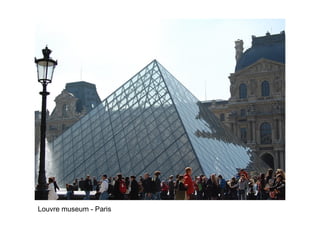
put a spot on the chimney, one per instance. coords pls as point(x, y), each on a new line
point(239, 49)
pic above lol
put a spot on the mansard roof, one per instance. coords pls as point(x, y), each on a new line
point(86, 93)
point(270, 47)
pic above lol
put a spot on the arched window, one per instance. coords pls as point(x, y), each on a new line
point(243, 90)
point(265, 89)
point(265, 133)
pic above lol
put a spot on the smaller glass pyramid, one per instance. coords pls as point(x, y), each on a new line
point(152, 122)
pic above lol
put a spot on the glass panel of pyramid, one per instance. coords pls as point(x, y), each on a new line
point(152, 122)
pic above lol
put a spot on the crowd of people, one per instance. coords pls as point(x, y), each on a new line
point(265, 186)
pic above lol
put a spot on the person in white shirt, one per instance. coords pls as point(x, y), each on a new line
point(104, 188)
point(52, 195)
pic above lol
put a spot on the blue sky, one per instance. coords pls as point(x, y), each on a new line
point(198, 52)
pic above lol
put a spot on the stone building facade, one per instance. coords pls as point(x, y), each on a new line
point(75, 101)
point(255, 112)
point(63, 115)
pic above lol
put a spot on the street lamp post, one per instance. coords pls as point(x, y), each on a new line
point(45, 68)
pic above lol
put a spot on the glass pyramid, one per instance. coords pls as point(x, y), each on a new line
point(152, 122)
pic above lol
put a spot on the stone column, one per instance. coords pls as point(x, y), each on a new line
point(249, 136)
point(282, 160)
point(278, 131)
point(277, 160)
point(281, 130)
point(274, 131)
point(254, 132)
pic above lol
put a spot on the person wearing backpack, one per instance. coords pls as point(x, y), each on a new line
point(119, 188)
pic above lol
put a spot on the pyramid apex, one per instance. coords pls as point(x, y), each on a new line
point(154, 61)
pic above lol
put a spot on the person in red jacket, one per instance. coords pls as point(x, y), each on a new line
point(188, 183)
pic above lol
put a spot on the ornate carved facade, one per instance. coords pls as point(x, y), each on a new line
point(63, 115)
point(255, 112)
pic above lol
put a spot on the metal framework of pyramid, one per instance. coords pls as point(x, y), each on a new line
point(152, 122)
